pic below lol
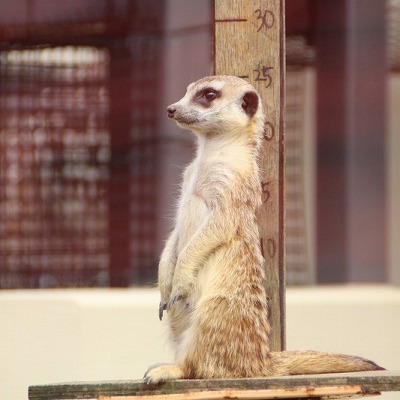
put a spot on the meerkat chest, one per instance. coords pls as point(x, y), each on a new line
point(192, 208)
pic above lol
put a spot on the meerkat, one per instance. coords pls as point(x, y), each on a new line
point(211, 271)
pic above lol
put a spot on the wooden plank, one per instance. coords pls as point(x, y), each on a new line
point(249, 43)
point(254, 394)
point(374, 381)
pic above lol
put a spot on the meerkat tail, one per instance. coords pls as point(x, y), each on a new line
point(313, 362)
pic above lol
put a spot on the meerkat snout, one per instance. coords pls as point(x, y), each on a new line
point(171, 110)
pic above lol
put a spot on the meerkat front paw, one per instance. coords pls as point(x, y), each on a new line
point(174, 299)
point(161, 373)
point(178, 293)
point(182, 285)
point(165, 291)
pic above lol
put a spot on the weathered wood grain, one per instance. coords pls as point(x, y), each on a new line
point(249, 43)
point(370, 382)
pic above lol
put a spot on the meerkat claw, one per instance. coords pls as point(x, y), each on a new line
point(161, 308)
point(173, 300)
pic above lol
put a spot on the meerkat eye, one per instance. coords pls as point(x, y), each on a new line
point(206, 96)
point(210, 95)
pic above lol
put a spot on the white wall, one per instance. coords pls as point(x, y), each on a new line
point(58, 336)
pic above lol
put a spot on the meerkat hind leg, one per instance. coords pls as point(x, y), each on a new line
point(162, 372)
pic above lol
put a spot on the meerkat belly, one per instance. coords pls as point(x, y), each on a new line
point(230, 269)
point(192, 213)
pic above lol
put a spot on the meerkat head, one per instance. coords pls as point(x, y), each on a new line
point(219, 105)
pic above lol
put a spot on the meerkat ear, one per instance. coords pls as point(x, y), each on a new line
point(250, 103)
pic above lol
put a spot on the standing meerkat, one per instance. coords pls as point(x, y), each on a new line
point(211, 272)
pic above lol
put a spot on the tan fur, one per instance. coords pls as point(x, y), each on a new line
point(211, 272)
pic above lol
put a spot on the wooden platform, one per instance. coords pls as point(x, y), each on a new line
point(325, 386)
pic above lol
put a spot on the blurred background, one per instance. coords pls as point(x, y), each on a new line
point(90, 167)
point(89, 163)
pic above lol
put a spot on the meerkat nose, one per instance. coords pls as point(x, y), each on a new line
point(171, 111)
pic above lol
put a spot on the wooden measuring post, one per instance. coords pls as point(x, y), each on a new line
point(249, 43)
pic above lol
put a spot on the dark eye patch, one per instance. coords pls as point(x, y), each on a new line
point(206, 96)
